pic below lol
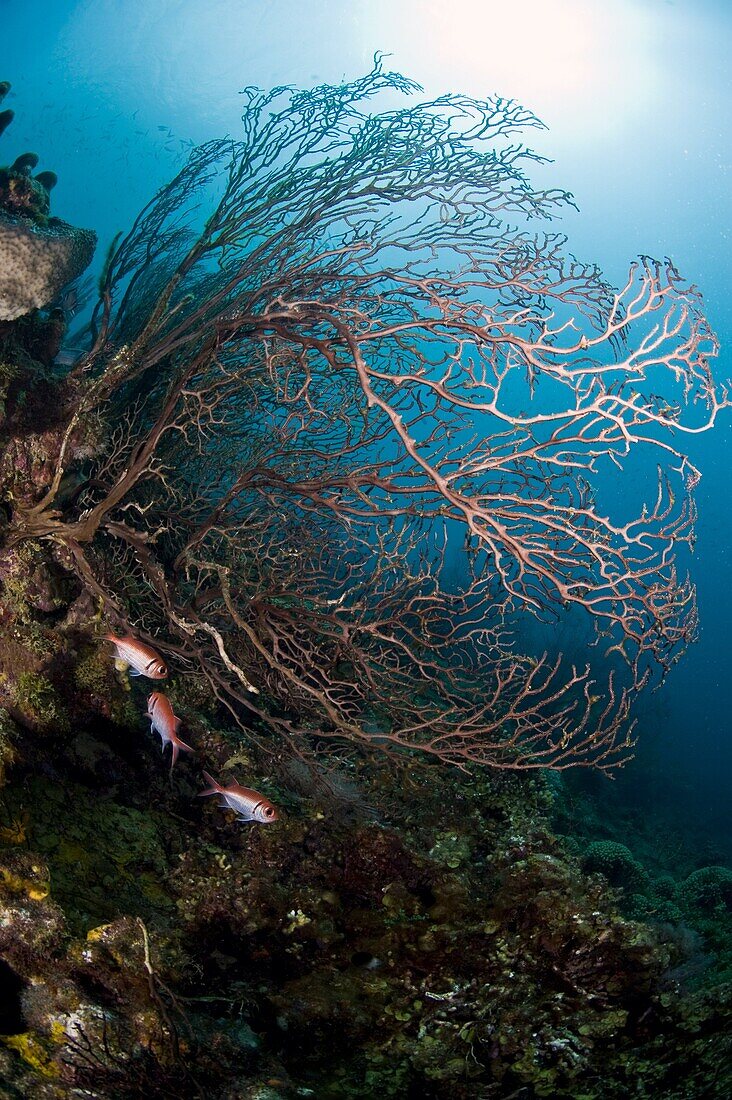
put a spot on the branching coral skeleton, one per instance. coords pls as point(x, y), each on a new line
point(363, 418)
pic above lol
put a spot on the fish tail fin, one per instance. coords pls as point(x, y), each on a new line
point(213, 786)
point(109, 637)
point(181, 745)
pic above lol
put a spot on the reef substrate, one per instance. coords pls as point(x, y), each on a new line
point(402, 931)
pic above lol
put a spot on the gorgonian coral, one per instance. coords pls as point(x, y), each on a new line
point(363, 412)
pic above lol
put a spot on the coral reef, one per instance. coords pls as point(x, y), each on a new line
point(22, 195)
point(39, 254)
point(429, 936)
point(154, 947)
point(708, 888)
point(404, 929)
point(616, 863)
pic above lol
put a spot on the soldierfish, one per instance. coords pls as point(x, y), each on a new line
point(142, 658)
point(164, 722)
point(249, 805)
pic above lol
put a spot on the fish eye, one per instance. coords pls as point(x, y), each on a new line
point(162, 670)
point(269, 811)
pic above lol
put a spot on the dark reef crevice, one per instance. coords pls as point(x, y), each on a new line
point(12, 1021)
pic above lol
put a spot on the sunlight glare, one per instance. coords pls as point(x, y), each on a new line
point(581, 60)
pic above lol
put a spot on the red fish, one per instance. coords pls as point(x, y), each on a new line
point(164, 722)
point(141, 658)
point(248, 804)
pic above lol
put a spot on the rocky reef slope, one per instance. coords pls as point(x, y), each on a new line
point(401, 931)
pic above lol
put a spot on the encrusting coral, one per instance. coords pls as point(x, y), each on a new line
point(39, 254)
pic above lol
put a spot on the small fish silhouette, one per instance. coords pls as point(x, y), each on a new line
point(164, 722)
point(141, 658)
point(248, 804)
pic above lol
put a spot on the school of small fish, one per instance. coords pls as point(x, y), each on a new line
point(142, 660)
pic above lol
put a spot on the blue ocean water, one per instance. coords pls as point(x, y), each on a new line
point(636, 99)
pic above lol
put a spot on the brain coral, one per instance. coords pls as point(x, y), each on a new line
point(37, 261)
